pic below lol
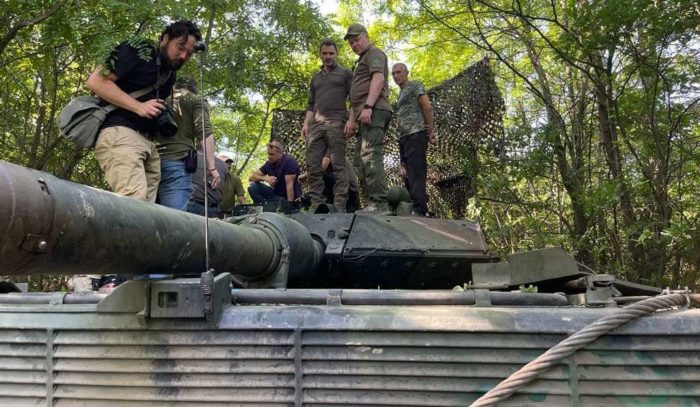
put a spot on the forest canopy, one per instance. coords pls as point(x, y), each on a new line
point(600, 152)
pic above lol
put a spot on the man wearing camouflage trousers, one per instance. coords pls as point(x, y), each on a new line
point(368, 96)
point(327, 126)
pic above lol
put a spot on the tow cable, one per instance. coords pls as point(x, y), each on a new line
point(588, 334)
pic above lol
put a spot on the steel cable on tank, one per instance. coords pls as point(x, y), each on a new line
point(575, 342)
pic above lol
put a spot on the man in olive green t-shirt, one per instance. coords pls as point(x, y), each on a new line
point(192, 116)
point(327, 126)
point(233, 191)
point(368, 94)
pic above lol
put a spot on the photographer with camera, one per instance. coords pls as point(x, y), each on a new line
point(178, 157)
point(125, 148)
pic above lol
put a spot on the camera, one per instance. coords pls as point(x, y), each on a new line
point(200, 46)
point(167, 127)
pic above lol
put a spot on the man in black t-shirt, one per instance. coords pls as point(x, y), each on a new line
point(125, 149)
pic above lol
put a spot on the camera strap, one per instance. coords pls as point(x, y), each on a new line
point(160, 83)
point(135, 94)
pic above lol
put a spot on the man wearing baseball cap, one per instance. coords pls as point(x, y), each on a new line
point(280, 172)
point(233, 191)
point(368, 94)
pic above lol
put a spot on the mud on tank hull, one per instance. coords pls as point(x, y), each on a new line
point(331, 355)
point(197, 342)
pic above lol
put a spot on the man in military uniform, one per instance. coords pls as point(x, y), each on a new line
point(192, 117)
point(326, 126)
point(368, 95)
point(233, 191)
point(415, 121)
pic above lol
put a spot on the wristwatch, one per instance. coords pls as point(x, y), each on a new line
point(369, 107)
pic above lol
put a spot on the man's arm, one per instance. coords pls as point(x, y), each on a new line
point(305, 127)
point(238, 190)
point(427, 109)
point(310, 106)
point(325, 162)
point(106, 88)
point(375, 89)
point(350, 125)
point(258, 176)
point(349, 129)
point(289, 181)
point(211, 161)
point(202, 126)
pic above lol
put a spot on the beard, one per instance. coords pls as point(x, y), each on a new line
point(168, 63)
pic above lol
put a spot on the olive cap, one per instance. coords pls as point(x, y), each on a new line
point(354, 30)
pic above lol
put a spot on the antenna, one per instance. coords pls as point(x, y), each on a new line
point(206, 280)
point(201, 50)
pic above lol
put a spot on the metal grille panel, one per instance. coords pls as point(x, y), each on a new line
point(23, 367)
point(333, 367)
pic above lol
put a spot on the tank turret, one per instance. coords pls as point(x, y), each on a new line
point(53, 226)
point(288, 312)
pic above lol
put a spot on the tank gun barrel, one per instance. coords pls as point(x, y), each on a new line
point(53, 226)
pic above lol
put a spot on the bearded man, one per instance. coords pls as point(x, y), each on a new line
point(125, 147)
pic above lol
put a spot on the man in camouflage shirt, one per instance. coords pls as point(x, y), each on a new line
point(192, 117)
point(415, 122)
point(368, 95)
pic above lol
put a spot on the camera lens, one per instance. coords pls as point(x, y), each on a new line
point(200, 46)
point(167, 127)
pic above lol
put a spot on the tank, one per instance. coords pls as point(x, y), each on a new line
point(313, 310)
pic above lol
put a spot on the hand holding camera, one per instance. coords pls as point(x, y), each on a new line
point(150, 108)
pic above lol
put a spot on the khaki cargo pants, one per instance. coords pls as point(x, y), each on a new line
point(324, 136)
point(130, 162)
point(369, 158)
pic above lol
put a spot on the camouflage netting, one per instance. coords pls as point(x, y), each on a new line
point(468, 109)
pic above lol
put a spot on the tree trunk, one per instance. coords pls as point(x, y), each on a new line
point(608, 135)
point(571, 176)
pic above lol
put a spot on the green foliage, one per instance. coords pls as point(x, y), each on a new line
point(600, 153)
point(617, 188)
point(528, 289)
